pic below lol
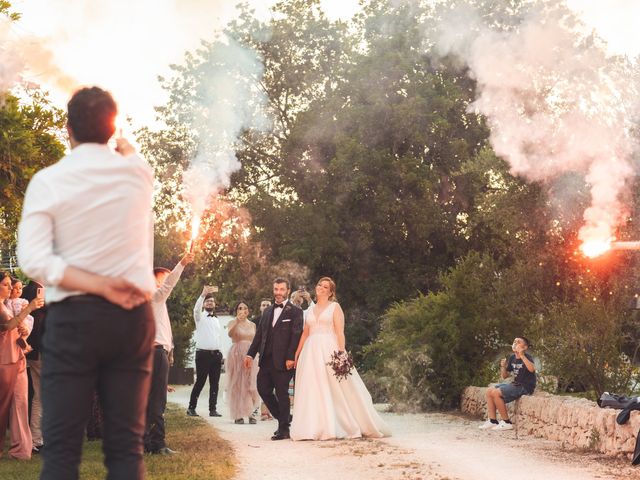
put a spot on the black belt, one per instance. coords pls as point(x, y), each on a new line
point(203, 350)
point(83, 299)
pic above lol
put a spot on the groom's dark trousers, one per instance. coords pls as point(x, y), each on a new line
point(269, 378)
point(277, 344)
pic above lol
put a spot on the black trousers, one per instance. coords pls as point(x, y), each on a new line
point(269, 378)
point(208, 365)
point(154, 432)
point(90, 343)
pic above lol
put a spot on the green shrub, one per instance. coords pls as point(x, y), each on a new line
point(431, 347)
point(582, 343)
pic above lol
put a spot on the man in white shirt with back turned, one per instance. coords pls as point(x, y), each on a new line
point(209, 356)
point(87, 234)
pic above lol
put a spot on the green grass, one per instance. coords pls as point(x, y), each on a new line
point(202, 455)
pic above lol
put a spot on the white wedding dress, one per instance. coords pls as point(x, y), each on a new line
point(323, 407)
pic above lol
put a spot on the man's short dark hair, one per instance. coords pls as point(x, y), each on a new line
point(282, 280)
point(210, 295)
point(91, 114)
point(158, 270)
point(526, 341)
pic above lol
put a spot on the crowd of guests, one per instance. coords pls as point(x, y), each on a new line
point(108, 340)
point(22, 320)
point(22, 313)
point(241, 385)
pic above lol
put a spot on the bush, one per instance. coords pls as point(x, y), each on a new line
point(582, 343)
point(431, 347)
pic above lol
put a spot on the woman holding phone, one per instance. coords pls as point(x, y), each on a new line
point(13, 376)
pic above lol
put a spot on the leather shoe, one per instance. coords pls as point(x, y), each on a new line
point(213, 413)
point(280, 436)
point(163, 451)
point(192, 412)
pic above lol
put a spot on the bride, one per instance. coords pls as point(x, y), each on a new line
point(325, 408)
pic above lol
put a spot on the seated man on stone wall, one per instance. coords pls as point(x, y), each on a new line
point(520, 363)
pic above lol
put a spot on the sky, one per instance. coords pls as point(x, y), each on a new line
point(123, 45)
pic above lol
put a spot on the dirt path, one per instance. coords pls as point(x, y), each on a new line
point(423, 447)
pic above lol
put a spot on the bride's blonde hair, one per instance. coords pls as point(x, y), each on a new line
point(332, 288)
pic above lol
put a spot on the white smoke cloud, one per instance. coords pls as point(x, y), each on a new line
point(554, 100)
point(10, 62)
point(227, 101)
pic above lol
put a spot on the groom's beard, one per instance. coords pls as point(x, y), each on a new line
point(209, 310)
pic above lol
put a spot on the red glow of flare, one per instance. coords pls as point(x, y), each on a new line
point(595, 248)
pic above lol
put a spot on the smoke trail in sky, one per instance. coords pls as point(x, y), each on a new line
point(226, 101)
point(554, 100)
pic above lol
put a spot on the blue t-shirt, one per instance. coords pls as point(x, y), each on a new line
point(522, 374)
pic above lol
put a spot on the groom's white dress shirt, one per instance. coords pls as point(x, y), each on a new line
point(277, 311)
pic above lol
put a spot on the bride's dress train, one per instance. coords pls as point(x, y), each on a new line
point(325, 408)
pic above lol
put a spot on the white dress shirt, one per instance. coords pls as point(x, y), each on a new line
point(164, 336)
point(90, 210)
point(209, 333)
point(277, 312)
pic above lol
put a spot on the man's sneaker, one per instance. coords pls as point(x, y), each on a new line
point(213, 413)
point(192, 412)
point(487, 425)
point(503, 426)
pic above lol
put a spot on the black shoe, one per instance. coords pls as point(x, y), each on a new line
point(239, 421)
point(192, 412)
point(213, 413)
point(280, 436)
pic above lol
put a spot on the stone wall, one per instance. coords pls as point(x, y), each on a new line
point(575, 422)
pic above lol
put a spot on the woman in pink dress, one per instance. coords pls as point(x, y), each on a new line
point(242, 389)
point(13, 364)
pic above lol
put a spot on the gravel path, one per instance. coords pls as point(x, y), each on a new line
point(423, 447)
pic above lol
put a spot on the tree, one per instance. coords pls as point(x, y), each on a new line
point(30, 139)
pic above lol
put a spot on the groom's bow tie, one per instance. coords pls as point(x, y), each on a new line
point(278, 305)
point(210, 315)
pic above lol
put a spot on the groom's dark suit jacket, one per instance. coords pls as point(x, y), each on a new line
point(283, 337)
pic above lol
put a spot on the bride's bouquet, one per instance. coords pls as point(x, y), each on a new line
point(341, 362)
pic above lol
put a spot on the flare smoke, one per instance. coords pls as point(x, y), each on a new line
point(554, 100)
point(227, 102)
point(21, 54)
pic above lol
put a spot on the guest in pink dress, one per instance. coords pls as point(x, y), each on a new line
point(242, 388)
point(13, 383)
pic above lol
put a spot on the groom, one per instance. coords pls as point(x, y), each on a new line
point(277, 337)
